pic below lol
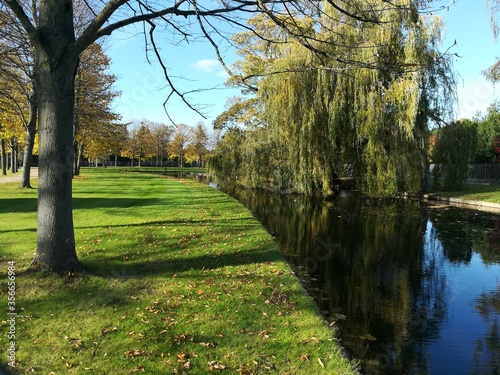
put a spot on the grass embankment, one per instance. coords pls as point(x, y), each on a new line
point(180, 278)
point(485, 193)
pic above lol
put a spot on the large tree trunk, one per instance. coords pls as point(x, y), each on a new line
point(30, 141)
point(4, 156)
point(55, 69)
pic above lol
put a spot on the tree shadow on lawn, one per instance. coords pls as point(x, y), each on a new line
point(25, 205)
point(116, 267)
point(113, 283)
point(17, 205)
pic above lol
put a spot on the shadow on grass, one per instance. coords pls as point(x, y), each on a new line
point(246, 223)
point(17, 205)
point(25, 205)
point(117, 268)
point(114, 283)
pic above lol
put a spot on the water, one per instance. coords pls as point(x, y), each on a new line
point(410, 288)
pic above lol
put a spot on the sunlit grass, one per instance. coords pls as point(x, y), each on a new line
point(485, 193)
point(179, 278)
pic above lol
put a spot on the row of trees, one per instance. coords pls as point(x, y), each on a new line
point(148, 140)
point(366, 102)
point(372, 109)
point(94, 124)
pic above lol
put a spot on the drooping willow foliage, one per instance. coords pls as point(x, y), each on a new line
point(357, 91)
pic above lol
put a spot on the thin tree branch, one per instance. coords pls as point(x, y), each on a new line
point(23, 18)
point(167, 77)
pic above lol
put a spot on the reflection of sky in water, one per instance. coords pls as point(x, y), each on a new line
point(463, 326)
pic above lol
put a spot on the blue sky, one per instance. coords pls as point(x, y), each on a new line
point(194, 66)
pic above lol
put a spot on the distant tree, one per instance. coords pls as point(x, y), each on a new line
point(146, 144)
point(93, 114)
point(109, 140)
point(131, 145)
point(18, 86)
point(3, 155)
point(198, 142)
point(161, 134)
point(177, 146)
point(226, 159)
point(487, 130)
point(454, 151)
point(11, 127)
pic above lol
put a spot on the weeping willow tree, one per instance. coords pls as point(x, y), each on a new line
point(355, 86)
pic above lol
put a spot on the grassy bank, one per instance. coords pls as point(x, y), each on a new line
point(179, 279)
point(485, 193)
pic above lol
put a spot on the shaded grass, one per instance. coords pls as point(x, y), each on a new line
point(486, 193)
point(179, 278)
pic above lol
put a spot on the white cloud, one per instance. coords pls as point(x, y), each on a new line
point(206, 65)
point(475, 95)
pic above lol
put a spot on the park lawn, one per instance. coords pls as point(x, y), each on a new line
point(163, 170)
point(179, 278)
point(485, 193)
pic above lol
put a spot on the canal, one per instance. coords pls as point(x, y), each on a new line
point(410, 288)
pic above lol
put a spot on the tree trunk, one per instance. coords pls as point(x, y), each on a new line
point(78, 155)
point(13, 153)
point(30, 141)
point(55, 69)
point(4, 156)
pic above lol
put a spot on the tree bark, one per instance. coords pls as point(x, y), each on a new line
point(78, 152)
point(13, 155)
point(55, 68)
point(4, 157)
point(30, 141)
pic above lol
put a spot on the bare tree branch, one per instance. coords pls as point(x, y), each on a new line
point(23, 18)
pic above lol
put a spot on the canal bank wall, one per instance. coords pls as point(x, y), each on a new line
point(465, 203)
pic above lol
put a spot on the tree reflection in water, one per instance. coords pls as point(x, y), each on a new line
point(487, 349)
point(377, 271)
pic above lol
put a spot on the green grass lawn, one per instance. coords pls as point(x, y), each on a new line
point(162, 170)
point(179, 278)
point(486, 193)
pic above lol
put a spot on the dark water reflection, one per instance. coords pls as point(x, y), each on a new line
point(412, 289)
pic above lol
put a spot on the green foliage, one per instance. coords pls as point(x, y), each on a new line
point(226, 158)
point(493, 72)
point(487, 131)
point(454, 151)
point(369, 109)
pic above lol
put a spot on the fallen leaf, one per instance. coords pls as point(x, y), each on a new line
point(215, 365)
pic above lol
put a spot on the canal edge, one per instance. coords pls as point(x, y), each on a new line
point(465, 203)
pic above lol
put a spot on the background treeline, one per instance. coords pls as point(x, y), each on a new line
point(366, 110)
point(98, 133)
point(455, 147)
point(163, 144)
point(367, 105)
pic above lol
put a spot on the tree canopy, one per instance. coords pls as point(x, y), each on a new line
point(346, 92)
